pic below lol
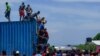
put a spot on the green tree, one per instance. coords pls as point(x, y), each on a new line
point(97, 37)
point(81, 46)
point(89, 47)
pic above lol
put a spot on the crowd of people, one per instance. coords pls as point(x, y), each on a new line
point(51, 51)
point(54, 52)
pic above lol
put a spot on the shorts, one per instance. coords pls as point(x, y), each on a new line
point(7, 14)
point(22, 13)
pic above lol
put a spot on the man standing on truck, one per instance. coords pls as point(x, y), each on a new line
point(7, 12)
point(28, 11)
point(22, 11)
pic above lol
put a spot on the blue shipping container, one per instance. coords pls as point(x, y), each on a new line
point(19, 36)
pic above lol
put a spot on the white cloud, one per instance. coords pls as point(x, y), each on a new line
point(76, 0)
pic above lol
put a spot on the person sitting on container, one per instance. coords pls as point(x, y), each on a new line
point(7, 12)
point(22, 11)
point(28, 11)
point(34, 15)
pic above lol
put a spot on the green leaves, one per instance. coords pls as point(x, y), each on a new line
point(89, 47)
point(97, 37)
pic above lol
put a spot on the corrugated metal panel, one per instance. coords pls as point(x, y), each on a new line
point(18, 36)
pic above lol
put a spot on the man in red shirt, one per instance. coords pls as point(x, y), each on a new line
point(22, 11)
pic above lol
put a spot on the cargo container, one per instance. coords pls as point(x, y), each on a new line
point(18, 36)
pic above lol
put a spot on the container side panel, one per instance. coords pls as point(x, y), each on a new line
point(18, 36)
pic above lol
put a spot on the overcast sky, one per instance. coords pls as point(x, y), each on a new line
point(68, 21)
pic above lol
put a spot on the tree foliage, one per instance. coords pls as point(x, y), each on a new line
point(90, 47)
point(97, 37)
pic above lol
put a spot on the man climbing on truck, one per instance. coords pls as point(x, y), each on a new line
point(7, 12)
